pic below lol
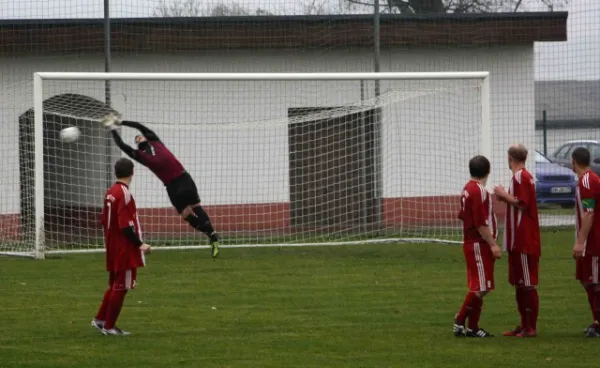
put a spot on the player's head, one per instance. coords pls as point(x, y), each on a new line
point(479, 167)
point(141, 142)
point(124, 169)
point(517, 155)
point(580, 159)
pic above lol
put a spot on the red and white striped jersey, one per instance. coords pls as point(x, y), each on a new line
point(521, 224)
point(476, 210)
point(587, 197)
point(120, 212)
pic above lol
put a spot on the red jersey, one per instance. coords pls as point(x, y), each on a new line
point(521, 224)
point(119, 212)
point(476, 211)
point(160, 161)
point(588, 200)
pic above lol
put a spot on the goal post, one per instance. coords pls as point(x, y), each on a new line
point(318, 143)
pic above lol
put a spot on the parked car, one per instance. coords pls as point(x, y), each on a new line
point(555, 184)
point(562, 155)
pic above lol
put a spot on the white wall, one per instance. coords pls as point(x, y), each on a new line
point(249, 163)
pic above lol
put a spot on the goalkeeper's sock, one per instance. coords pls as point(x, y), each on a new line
point(115, 304)
point(476, 306)
point(101, 315)
point(201, 221)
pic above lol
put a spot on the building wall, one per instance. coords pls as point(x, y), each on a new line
point(427, 138)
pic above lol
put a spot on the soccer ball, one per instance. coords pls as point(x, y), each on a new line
point(70, 134)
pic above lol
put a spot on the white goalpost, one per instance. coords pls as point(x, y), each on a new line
point(280, 159)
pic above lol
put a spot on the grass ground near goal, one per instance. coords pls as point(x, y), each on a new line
point(350, 306)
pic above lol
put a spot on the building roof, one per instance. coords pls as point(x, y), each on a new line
point(273, 32)
point(568, 101)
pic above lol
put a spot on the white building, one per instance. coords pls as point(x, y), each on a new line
point(233, 137)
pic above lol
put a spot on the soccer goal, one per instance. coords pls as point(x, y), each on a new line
point(285, 159)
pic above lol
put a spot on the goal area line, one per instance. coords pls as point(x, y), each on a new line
point(266, 245)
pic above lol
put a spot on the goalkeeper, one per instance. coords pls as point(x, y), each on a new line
point(182, 191)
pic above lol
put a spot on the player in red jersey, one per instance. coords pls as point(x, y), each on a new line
point(124, 248)
point(183, 193)
point(479, 246)
point(522, 240)
point(586, 250)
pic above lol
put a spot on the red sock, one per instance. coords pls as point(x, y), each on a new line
point(466, 309)
point(596, 306)
point(101, 315)
point(115, 303)
point(532, 308)
point(590, 296)
point(476, 306)
point(520, 296)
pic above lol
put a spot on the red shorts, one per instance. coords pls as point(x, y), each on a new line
point(523, 269)
point(480, 266)
point(587, 270)
point(122, 280)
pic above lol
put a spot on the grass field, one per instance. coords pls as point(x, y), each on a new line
point(354, 306)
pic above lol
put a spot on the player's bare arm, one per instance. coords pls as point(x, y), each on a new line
point(587, 219)
point(506, 197)
point(487, 235)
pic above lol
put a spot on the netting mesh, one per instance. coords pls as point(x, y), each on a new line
point(275, 162)
point(544, 70)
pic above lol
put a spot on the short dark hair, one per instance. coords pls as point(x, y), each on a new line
point(479, 167)
point(581, 156)
point(123, 168)
point(518, 152)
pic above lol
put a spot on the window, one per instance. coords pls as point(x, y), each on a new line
point(562, 151)
point(541, 159)
point(594, 151)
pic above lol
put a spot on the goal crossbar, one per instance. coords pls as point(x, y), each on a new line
point(485, 147)
point(260, 76)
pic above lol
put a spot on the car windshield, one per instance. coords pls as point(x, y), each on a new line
point(539, 158)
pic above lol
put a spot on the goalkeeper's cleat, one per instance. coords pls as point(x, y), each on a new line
point(115, 331)
point(514, 332)
point(478, 333)
point(214, 245)
point(96, 323)
point(459, 328)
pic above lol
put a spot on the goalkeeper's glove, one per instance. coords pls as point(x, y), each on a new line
point(111, 122)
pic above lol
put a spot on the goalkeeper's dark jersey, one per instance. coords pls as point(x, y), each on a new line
point(160, 161)
point(155, 156)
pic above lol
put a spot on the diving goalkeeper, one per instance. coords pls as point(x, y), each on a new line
point(182, 191)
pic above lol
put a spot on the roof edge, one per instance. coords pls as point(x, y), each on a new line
point(290, 18)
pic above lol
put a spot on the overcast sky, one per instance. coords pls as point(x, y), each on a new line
point(578, 58)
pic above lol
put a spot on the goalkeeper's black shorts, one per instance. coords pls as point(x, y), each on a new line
point(183, 192)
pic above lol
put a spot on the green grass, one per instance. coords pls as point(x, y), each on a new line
point(352, 306)
point(556, 210)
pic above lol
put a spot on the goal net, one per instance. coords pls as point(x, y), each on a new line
point(293, 159)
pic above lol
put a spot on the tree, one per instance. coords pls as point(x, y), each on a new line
point(194, 8)
point(197, 8)
point(461, 6)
